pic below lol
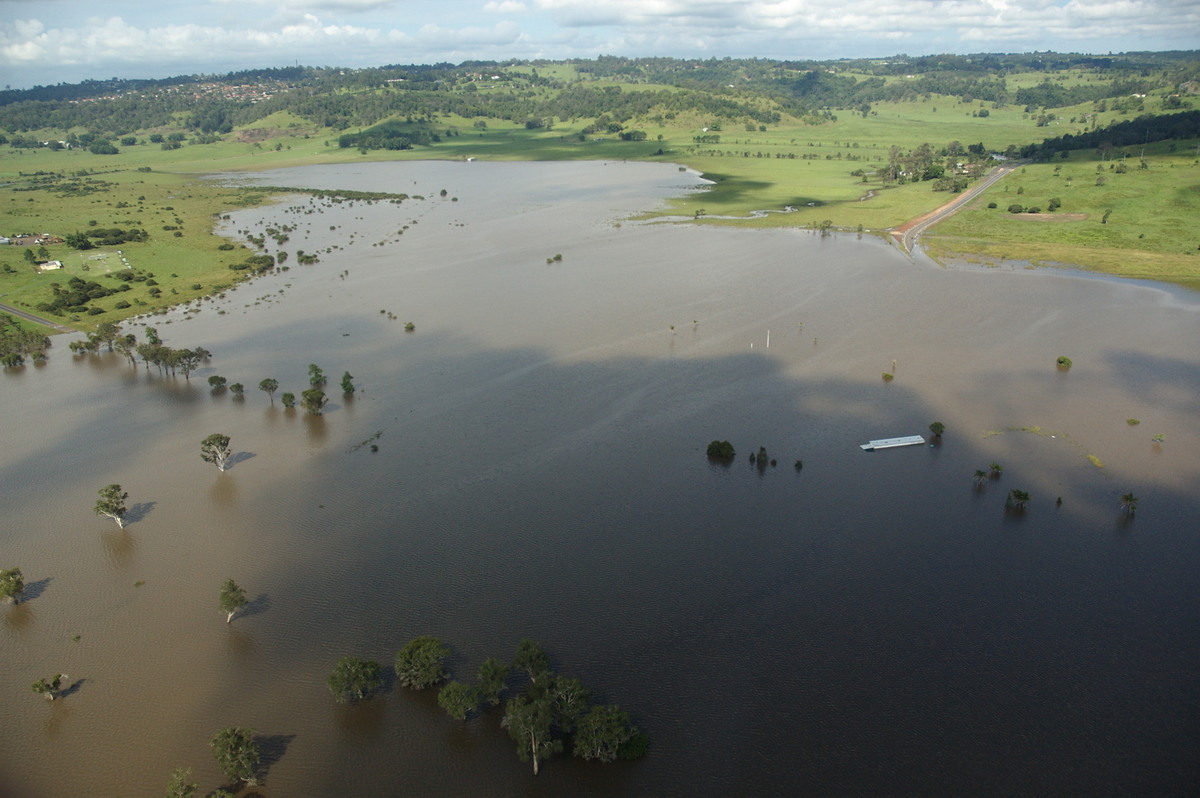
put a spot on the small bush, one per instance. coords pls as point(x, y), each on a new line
point(1063, 362)
point(1016, 207)
point(722, 449)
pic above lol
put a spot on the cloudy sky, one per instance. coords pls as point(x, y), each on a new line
point(52, 41)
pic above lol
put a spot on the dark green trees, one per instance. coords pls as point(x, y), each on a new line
point(347, 384)
point(1129, 504)
point(421, 663)
point(269, 386)
point(237, 754)
point(48, 688)
point(937, 428)
point(112, 504)
point(313, 400)
point(232, 599)
point(354, 678)
point(12, 585)
point(289, 399)
point(215, 449)
point(721, 449)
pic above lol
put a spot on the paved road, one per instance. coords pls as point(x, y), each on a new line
point(37, 319)
point(907, 234)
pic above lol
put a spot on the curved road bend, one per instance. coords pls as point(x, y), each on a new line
point(906, 235)
point(36, 319)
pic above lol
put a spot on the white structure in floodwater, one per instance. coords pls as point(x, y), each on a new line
point(889, 443)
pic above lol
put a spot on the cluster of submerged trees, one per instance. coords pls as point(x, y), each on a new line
point(550, 708)
point(169, 360)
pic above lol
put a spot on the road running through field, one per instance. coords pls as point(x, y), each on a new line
point(36, 319)
point(907, 234)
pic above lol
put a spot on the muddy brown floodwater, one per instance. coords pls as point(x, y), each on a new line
point(872, 624)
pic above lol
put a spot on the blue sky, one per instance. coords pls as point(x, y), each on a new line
point(52, 41)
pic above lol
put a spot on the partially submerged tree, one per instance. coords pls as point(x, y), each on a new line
point(722, 450)
point(316, 377)
point(459, 699)
point(532, 659)
point(180, 785)
point(288, 399)
point(269, 386)
point(421, 663)
point(347, 385)
point(215, 449)
point(48, 688)
point(233, 598)
point(1129, 504)
point(980, 477)
point(937, 428)
point(12, 585)
point(530, 723)
point(237, 389)
point(353, 678)
point(313, 400)
point(216, 382)
point(1017, 499)
point(112, 504)
point(492, 675)
point(237, 754)
point(602, 732)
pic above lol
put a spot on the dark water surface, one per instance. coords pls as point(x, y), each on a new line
point(870, 625)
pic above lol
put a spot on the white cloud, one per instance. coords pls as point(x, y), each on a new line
point(504, 7)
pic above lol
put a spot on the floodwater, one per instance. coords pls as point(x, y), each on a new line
point(872, 624)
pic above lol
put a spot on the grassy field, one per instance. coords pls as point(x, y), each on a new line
point(1115, 217)
point(791, 164)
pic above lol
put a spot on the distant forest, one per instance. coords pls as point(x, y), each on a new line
point(744, 89)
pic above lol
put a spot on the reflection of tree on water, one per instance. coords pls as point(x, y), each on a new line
point(316, 429)
point(224, 491)
point(362, 720)
point(119, 546)
point(18, 617)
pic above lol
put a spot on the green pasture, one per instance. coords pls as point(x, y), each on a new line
point(1150, 231)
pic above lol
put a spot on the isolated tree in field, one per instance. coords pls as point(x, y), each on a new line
point(601, 731)
point(532, 659)
point(492, 675)
point(458, 699)
point(353, 678)
point(237, 754)
point(1017, 499)
point(288, 399)
point(48, 688)
point(530, 723)
point(421, 663)
point(179, 785)
point(215, 449)
point(112, 504)
point(233, 598)
point(1129, 504)
point(12, 585)
point(937, 428)
point(313, 400)
point(316, 377)
point(347, 385)
point(269, 387)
